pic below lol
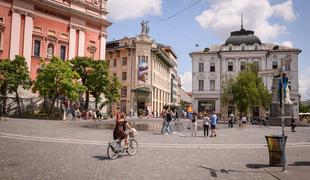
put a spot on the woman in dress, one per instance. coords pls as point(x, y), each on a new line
point(120, 128)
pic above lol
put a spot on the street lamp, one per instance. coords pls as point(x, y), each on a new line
point(281, 96)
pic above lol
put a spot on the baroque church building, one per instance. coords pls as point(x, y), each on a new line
point(40, 29)
point(212, 66)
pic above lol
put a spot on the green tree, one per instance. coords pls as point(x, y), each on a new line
point(303, 108)
point(112, 91)
point(246, 90)
point(58, 79)
point(5, 66)
point(98, 80)
point(83, 66)
point(19, 76)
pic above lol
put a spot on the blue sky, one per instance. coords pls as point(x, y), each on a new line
point(209, 22)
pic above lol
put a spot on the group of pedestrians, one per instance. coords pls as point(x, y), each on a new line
point(207, 122)
point(167, 118)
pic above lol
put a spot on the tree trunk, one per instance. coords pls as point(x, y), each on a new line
point(4, 92)
point(18, 104)
point(44, 104)
point(53, 104)
point(86, 100)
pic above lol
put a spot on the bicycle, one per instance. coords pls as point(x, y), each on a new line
point(115, 148)
point(264, 122)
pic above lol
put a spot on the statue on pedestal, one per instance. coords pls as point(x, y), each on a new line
point(145, 28)
point(287, 99)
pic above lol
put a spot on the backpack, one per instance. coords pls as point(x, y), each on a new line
point(194, 118)
point(168, 117)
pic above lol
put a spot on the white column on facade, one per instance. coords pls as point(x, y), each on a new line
point(15, 34)
point(81, 50)
point(72, 43)
point(102, 47)
point(28, 39)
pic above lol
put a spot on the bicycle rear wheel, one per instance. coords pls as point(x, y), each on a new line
point(132, 147)
point(111, 153)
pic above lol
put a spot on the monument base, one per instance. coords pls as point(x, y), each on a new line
point(276, 114)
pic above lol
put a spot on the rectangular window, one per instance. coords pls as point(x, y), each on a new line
point(212, 85)
point(37, 48)
point(242, 66)
point(287, 65)
point(230, 66)
point(1, 39)
point(114, 63)
point(63, 52)
point(123, 106)
point(114, 74)
point(142, 59)
point(124, 91)
point(212, 67)
point(201, 67)
point(274, 64)
point(124, 61)
point(108, 62)
point(124, 76)
point(201, 84)
point(256, 65)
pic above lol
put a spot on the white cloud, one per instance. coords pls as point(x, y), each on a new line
point(224, 17)
point(186, 80)
point(307, 69)
point(304, 87)
point(123, 9)
point(287, 44)
point(285, 10)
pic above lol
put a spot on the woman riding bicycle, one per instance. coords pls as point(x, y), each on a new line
point(120, 128)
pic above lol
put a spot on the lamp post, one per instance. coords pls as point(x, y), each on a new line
point(282, 119)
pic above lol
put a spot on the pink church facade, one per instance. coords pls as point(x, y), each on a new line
point(39, 29)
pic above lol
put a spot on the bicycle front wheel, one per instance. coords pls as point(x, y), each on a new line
point(111, 153)
point(132, 147)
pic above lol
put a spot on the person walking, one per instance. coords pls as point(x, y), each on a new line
point(169, 129)
point(206, 123)
point(163, 114)
point(293, 124)
point(231, 120)
point(213, 124)
point(244, 121)
point(194, 124)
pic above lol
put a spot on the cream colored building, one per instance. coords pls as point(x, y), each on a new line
point(212, 66)
point(147, 71)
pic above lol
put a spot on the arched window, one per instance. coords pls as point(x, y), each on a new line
point(255, 47)
point(242, 47)
point(230, 48)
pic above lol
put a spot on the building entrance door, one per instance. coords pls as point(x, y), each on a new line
point(140, 106)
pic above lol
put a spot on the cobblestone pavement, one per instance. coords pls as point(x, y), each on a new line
point(40, 149)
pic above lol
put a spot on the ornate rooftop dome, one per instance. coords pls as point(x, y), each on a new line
point(243, 36)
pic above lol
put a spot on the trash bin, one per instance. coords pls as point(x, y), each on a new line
point(275, 149)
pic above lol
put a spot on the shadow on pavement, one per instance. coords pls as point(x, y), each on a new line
point(301, 163)
point(101, 157)
point(257, 166)
point(215, 172)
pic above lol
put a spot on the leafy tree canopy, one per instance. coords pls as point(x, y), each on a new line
point(57, 78)
point(246, 90)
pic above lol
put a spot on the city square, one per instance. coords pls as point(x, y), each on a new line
point(154, 89)
point(40, 149)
